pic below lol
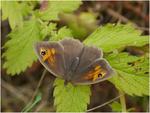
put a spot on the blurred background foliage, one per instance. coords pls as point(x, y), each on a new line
point(21, 20)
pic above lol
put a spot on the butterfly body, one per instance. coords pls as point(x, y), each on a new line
point(70, 60)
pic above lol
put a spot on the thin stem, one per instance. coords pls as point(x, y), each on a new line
point(104, 103)
point(37, 89)
point(123, 101)
point(39, 84)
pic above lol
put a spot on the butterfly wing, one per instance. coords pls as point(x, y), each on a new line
point(70, 56)
point(72, 51)
point(97, 71)
point(88, 55)
point(53, 61)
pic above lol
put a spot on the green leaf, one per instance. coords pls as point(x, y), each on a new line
point(81, 24)
point(14, 11)
point(47, 29)
point(111, 37)
point(69, 98)
point(116, 106)
point(19, 52)
point(0, 5)
point(132, 77)
point(61, 34)
point(56, 7)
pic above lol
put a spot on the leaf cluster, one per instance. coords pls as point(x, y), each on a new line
point(131, 71)
point(30, 25)
point(26, 32)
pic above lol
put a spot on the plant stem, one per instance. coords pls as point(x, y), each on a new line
point(89, 110)
point(39, 84)
point(123, 101)
point(36, 91)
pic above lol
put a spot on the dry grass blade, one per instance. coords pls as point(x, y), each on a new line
point(39, 84)
point(14, 91)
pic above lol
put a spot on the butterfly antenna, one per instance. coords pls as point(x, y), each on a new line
point(104, 103)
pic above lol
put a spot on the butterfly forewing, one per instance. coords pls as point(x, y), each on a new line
point(72, 51)
point(51, 55)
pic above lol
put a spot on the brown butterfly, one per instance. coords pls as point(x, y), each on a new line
point(74, 62)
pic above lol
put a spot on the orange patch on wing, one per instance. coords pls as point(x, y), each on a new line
point(50, 56)
point(98, 72)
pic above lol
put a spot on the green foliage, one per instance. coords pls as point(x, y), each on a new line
point(19, 52)
point(132, 73)
point(20, 45)
point(0, 5)
point(116, 106)
point(81, 24)
point(71, 98)
point(55, 7)
point(111, 37)
point(15, 12)
point(47, 30)
point(61, 34)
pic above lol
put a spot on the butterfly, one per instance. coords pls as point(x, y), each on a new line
point(71, 60)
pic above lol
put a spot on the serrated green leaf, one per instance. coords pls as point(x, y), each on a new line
point(19, 52)
point(132, 75)
point(14, 11)
point(69, 98)
point(47, 29)
point(110, 37)
point(56, 7)
point(62, 33)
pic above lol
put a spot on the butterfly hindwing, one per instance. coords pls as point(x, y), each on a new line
point(98, 70)
point(88, 55)
point(51, 55)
